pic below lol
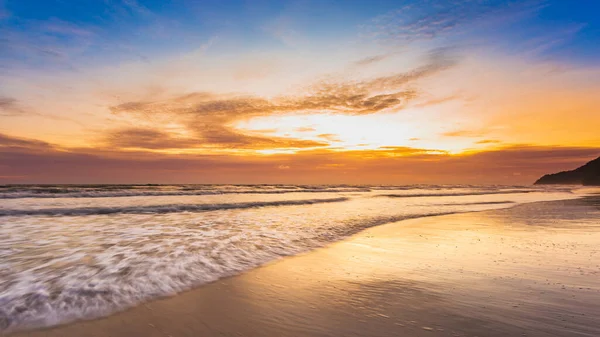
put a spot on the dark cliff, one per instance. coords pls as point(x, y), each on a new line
point(588, 174)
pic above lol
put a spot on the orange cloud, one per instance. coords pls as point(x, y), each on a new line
point(464, 133)
point(209, 116)
point(488, 141)
point(305, 129)
point(218, 137)
point(38, 162)
point(10, 107)
point(330, 137)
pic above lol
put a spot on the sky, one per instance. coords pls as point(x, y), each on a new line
point(300, 91)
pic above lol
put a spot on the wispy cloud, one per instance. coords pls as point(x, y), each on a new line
point(488, 141)
point(10, 106)
point(551, 38)
point(61, 43)
point(282, 29)
point(429, 19)
point(126, 9)
point(305, 129)
point(330, 137)
point(464, 133)
point(137, 8)
point(218, 136)
point(63, 28)
point(49, 42)
point(436, 101)
point(147, 139)
point(34, 161)
point(210, 116)
point(371, 59)
point(16, 144)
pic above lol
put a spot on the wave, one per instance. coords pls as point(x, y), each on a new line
point(110, 191)
point(147, 193)
point(62, 269)
point(94, 289)
point(159, 209)
point(459, 194)
point(475, 203)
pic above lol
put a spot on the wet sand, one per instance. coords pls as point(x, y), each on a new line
point(532, 270)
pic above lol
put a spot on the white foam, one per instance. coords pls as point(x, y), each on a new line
point(159, 209)
point(55, 269)
point(134, 191)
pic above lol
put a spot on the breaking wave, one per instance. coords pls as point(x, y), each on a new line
point(159, 209)
point(64, 257)
point(454, 194)
point(153, 193)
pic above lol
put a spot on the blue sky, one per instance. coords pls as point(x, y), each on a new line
point(42, 32)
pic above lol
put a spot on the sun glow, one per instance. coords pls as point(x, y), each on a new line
point(361, 132)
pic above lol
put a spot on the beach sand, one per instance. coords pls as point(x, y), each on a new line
point(531, 270)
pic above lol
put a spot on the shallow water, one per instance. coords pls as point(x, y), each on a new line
point(77, 252)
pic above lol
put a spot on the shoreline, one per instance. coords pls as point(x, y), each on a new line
point(280, 296)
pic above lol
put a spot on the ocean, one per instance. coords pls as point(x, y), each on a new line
point(72, 252)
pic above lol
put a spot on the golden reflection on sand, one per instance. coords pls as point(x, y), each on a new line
point(493, 273)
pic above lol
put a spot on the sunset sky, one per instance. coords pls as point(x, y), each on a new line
point(303, 91)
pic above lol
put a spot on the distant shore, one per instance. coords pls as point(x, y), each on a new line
point(530, 270)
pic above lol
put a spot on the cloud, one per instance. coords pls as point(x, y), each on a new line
point(228, 138)
point(63, 28)
point(120, 10)
point(7, 106)
point(330, 137)
point(464, 133)
point(32, 161)
point(140, 138)
point(137, 8)
point(405, 150)
point(58, 42)
point(436, 101)
point(210, 117)
point(305, 129)
point(370, 60)
point(429, 19)
point(16, 144)
point(10, 107)
point(488, 141)
point(265, 130)
point(147, 139)
point(283, 28)
point(50, 42)
point(538, 155)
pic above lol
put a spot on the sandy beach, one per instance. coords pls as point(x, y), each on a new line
point(491, 273)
